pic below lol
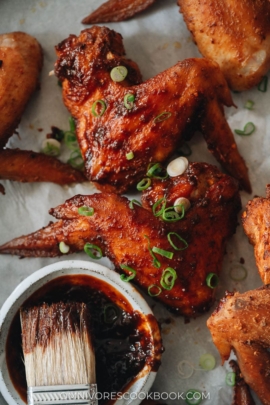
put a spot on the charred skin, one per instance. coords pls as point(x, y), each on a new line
point(192, 93)
point(241, 323)
point(125, 234)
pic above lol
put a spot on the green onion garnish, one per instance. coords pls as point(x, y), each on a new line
point(129, 101)
point(185, 150)
point(143, 184)
point(230, 379)
point(162, 252)
point(207, 361)
point(238, 273)
point(110, 314)
point(63, 248)
point(156, 262)
point(249, 105)
point(263, 84)
point(212, 280)
point(76, 159)
point(193, 397)
point(70, 140)
point(86, 211)
point(162, 117)
point(51, 147)
point(170, 215)
point(126, 278)
point(130, 155)
point(169, 236)
point(93, 251)
point(102, 106)
point(155, 170)
point(249, 128)
point(162, 201)
point(152, 287)
point(134, 202)
point(119, 73)
point(72, 124)
point(168, 278)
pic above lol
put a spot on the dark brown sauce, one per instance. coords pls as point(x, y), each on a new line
point(122, 344)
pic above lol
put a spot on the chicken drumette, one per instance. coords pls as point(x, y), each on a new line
point(121, 127)
point(128, 236)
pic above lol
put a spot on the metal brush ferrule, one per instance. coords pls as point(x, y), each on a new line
point(83, 394)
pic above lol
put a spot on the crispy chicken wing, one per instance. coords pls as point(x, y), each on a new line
point(256, 223)
point(235, 34)
point(165, 110)
point(241, 322)
point(242, 395)
point(127, 236)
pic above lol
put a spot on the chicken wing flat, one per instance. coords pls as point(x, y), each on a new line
point(148, 120)
point(117, 10)
point(128, 235)
point(235, 34)
point(241, 323)
point(256, 223)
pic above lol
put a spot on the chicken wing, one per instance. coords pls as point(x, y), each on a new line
point(242, 395)
point(128, 236)
point(162, 111)
point(235, 34)
point(241, 323)
point(256, 223)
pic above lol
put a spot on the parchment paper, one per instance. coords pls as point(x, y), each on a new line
point(156, 40)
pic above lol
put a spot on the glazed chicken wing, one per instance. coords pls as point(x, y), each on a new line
point(256, 223)
point(235, 34)
point(128, 235)
point(241, 322)
point(147, 120)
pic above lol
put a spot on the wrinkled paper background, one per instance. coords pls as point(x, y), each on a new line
point(156, 40)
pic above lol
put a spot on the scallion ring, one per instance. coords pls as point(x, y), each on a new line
point(134, 202)
point(193, 397)
point(162, 201)
point(238, 272)
point(129, 155)
point(181, 203)
point(169, 236)
point(51, 147)
point(162, 252)
point(93, 251)
point(70, 140)
point(110, 314)
point(177, 166)
point(119, 73)
point(170, 215)
point(207, 361)
point(168, 278)
point(249, 128)
point(156, 262)
point(102, 107)
point(155, 170)
point(249, 105)
point(263, 84)
point(185, 369)
point(185, 150)
point(64, 248)
point(129, 101)
point(72, 124)
point(86, 211)
point(76, 159)
point(126, 278)
point(230, 379)
point(154, 287)
point(144, 184)
point(212, 280)
point(162, 117)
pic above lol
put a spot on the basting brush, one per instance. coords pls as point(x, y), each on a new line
point(58, 354)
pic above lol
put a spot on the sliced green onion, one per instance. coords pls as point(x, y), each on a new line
point(170, 215)
point(249, 128)
point(193, 397)
point(154, 170)
point(185, 150)
point(162, 117)
point(143, 184)
point(119, 73)
point(162, 201)
point(64, 248)
point(168, 278)
point(70, 140)
point(134, 202)
point(238, 273)
point(263, 84)
point(72, 124)
point(93, 251)
point(130, 155)
point(212, 280)
point(51, 147)
point(177, 166)
point(76, 159)
point(249, 105)
point(110, 314)
point(126, 278)
point(86, 211)
point(181, 203)
point(230, 379)
point(151, 288)
point(156, 262)
point(129, 101)
point(170, 234)
point(207, 362)
point(162, 252)
point(185, 369)
point(102, 106)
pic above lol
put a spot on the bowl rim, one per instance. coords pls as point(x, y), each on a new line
point(94, 269)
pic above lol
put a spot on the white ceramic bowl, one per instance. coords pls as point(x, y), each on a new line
point(141, 385)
